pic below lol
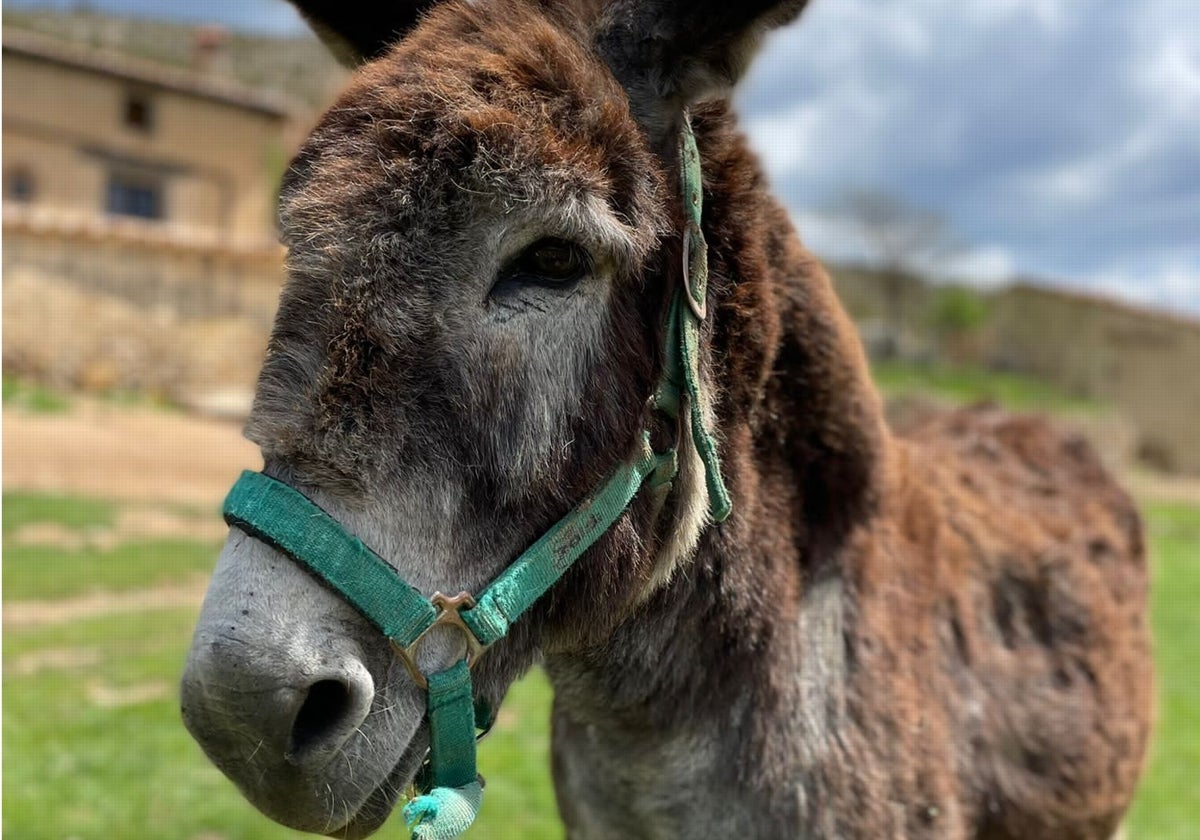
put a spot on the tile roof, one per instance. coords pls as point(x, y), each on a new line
point(149, 73)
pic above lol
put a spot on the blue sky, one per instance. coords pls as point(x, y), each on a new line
point(270, 17)
point(1059, 139)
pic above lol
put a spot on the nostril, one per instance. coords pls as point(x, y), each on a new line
point(325, 720)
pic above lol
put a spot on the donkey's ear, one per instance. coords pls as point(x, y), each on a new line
point(671, 53)
point(360, 30)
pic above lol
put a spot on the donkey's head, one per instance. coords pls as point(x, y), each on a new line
point(483, 234)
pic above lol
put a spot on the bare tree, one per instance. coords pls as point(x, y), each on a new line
point(902, 240)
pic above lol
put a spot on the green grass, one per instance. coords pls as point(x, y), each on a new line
point(32, 397)
point(128, 398)
point(75, 767)
point(1168, 803)
point(970, 385)
point(72, 513)
point(35, 398)
point(36, 572)
point(45, 572)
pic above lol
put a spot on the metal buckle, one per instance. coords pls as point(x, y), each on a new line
point(449, 610)
point(699, 307)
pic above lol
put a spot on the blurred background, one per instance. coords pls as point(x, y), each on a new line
point(1007, 195)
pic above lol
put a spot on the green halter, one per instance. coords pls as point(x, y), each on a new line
point(285, 519)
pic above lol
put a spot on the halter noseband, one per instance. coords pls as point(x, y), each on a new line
point(271, 511)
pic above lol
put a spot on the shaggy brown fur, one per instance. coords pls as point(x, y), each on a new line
point(998, 664)
point(940, 634)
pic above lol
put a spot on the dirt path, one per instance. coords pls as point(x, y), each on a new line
point(139, 521)
point(1162, 488)
point(147, 455)
point(123, 453)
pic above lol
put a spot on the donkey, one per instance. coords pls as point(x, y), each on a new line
point(940, 633)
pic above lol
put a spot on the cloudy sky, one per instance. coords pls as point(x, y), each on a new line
point(1058, 139)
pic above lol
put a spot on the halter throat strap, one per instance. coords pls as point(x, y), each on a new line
point(284, 518)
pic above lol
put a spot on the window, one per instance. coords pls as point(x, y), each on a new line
point(19, 184)
point(139, 111)
point(141, 197)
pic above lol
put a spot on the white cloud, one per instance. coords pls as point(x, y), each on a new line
point(1173, 73)
point(837, 238)
point(1172, 286)
point(1048, 14)
point(786, 139)
point(1089, 179)
point(988, 266)
point(831, 237)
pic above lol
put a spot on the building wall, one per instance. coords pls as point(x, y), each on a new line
point(107, 308)
point(1144, 364)
point(66, 127)
point(181, 306)
point(1147, 366)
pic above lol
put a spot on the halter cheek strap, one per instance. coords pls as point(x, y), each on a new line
point(279, 515)
point(689, 308)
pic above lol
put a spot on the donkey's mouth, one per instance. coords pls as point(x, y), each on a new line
point(379, 805)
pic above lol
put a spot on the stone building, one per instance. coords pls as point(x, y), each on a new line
point(91, 136)
point(1145, 364)
point(140, 248)
point(1141, 363)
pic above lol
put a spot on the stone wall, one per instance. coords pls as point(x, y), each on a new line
point(108, 306)
point(1144, 364)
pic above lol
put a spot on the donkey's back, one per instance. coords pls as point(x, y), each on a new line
point(1000, 644)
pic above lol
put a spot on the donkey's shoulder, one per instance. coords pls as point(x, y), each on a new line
point(998, 601)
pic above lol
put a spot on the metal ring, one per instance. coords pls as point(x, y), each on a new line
point(448, 616)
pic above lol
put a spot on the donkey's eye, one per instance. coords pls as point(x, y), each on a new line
point(548, 264)
point(550, 261)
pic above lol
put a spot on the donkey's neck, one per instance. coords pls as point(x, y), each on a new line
point(729, 677)
point(733, 694)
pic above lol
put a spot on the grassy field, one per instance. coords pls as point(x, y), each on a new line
point(959, 385)
point(1168, 803)
point(32, 397)
point(94, 747)
point(29, 396)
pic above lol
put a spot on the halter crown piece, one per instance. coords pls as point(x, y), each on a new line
point(450, 788)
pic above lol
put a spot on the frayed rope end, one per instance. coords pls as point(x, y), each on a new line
point(443, 813)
